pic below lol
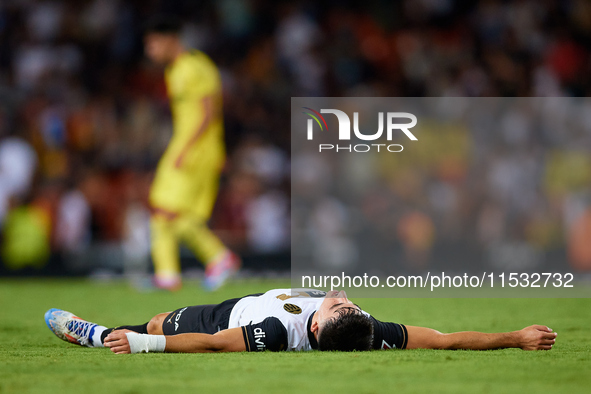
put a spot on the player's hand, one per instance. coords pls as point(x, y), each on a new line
point(536, 337)
point(117, 342)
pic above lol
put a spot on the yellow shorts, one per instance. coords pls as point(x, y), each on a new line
point(180, 191)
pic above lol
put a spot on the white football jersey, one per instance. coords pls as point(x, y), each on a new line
point(280, 319)
point(292, 307)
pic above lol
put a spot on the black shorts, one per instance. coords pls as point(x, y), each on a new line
point(205, 319)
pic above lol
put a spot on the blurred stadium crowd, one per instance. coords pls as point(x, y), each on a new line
point(493, 183)
point(84, 117)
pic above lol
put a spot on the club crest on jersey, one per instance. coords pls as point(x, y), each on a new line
point(293, 309)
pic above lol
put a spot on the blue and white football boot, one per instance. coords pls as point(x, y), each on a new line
point(69, 327)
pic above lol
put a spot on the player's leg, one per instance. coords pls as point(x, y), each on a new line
point(195, 233)
point(220, 262)
point(140, 329)
point(167, 194)
point(165, 251)
point(205, 319)
point(71, 328)
point(154, 326)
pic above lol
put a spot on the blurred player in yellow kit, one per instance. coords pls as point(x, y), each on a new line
point(186, 181)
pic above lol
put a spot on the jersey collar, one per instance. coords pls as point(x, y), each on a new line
point(311, 338)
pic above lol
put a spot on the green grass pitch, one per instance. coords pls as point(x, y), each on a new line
point(33, 360)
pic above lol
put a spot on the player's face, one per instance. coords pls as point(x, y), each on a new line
point(334, 301)
point(158, 47)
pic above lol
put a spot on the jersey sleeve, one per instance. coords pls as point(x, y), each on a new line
point(269, 334)
point(388, 335)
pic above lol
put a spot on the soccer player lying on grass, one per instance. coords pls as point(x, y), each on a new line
point(281, 319)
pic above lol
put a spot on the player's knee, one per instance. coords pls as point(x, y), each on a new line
point(155, 324)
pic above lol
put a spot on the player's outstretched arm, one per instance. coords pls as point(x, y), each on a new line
point(534, 337)
point(230, 340)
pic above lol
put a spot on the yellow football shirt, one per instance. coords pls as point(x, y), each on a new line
point(187, 174)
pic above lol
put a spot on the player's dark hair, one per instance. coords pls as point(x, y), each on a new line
point(350, 330)
point(163, 24)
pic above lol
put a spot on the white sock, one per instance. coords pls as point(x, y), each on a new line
point(96, 336)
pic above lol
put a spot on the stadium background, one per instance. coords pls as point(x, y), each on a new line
point(90, 118)
point(84, 118)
